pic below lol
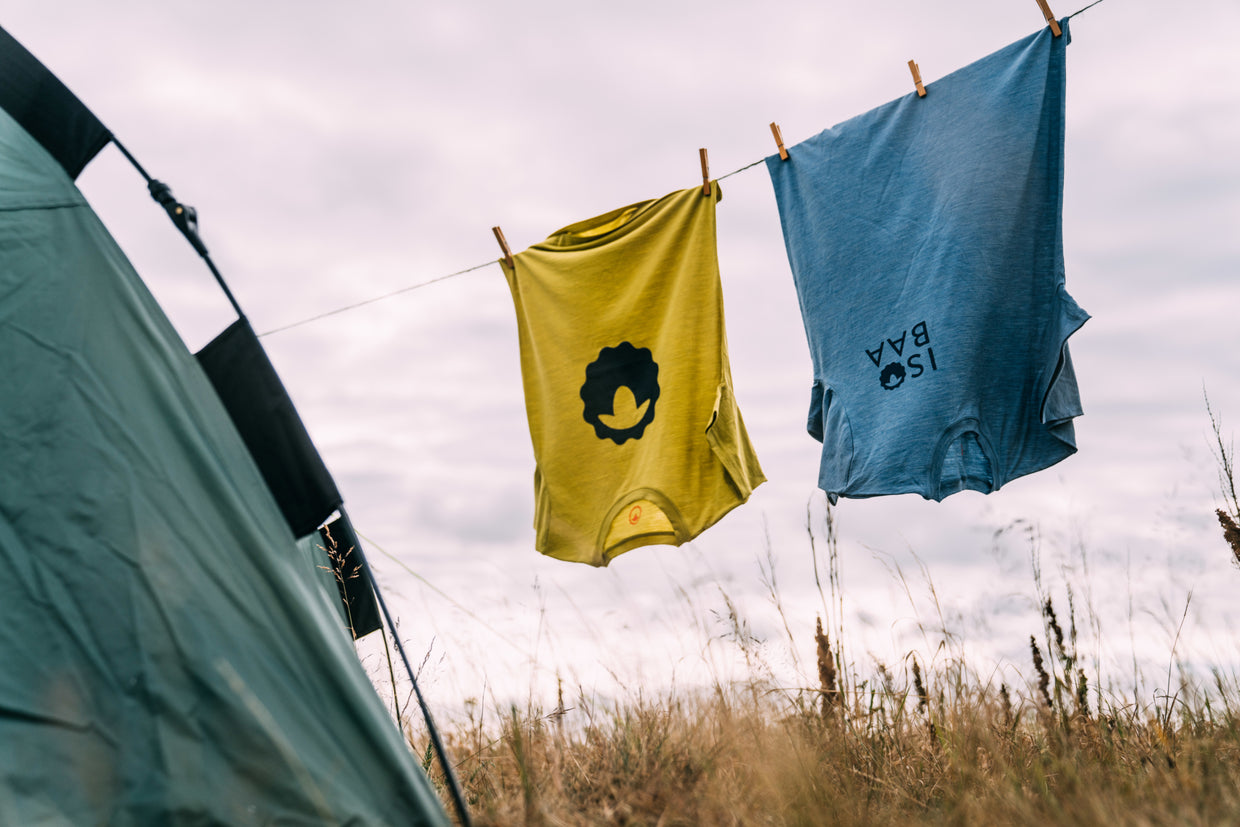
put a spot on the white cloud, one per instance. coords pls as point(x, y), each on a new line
point(337, 153)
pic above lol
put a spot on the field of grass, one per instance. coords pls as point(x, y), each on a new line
point(932, 743)
point(960, 754)
point(918, 744)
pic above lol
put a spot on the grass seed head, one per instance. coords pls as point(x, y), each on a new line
point(1231, 533)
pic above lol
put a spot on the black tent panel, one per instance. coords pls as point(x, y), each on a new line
point(45, 108)
point(352, 577)
point(260, 407)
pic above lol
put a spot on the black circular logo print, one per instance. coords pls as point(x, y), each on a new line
point(621, 387)
point(892, 376)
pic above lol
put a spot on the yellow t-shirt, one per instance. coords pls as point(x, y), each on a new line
point(637, 437)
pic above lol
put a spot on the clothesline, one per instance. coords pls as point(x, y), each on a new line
point(428, 282)
point(437, 279)
point(365, 302)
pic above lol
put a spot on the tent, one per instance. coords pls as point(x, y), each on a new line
point(170, 652)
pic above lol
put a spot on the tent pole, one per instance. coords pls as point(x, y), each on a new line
point(454, 787)
point(185, 218)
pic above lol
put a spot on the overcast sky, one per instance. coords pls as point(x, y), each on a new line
point(339, 152)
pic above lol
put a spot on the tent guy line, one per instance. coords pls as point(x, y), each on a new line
point(455, 603)
point(409, 288)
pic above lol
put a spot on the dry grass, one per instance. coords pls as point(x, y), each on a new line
point(926, 743)
point(1224, 456)
point(957, 755)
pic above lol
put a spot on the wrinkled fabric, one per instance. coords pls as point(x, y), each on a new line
point(925, 238)
point(167, 654)
point(637, 435)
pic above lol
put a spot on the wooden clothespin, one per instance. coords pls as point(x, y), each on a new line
point(705, 172)
point(503, 245)
point(779, 141)
point(912, 67)
point(1050, 18)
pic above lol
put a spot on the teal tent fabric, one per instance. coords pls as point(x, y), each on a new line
point(318, 563)
point(166, 654)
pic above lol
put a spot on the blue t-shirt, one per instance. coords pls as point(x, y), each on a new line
point(925, 238)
